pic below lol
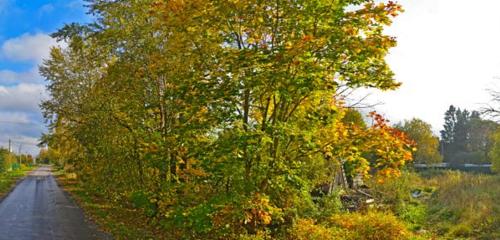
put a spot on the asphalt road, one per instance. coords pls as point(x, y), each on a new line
point(38, 209)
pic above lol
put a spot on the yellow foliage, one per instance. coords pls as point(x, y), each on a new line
point(307, 229)
point(371, 226)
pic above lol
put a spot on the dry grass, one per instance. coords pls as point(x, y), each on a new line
point(466, 205)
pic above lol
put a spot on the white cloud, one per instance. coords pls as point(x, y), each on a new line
point(21, 129)
point(27, 47)
point(20, 117)
point(14, 118)
point(21, 98)
point(25, 144)
point(21, 92)
point(8, 77)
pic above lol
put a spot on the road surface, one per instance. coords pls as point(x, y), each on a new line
point(38, 209)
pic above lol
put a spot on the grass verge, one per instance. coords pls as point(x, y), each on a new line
point(8, 180)
point(119, 219)
point(445, 204)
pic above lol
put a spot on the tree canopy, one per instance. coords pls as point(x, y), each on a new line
point(222, 113)
point(427, 144)
point(466, 137)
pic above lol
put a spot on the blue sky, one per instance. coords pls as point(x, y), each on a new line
point(25, 26)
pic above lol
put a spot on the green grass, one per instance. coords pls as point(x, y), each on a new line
point(9, 179)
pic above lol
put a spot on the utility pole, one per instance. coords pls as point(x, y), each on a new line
point(10, 146)
point(20, 147)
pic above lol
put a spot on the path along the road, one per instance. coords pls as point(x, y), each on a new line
point(39, 209)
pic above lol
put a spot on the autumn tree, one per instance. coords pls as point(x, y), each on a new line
point(481, 137)
point(7, 159)
point(495, 153)
point(222, 113)
point(426, 143)
point(354, 117)
point(493, 111)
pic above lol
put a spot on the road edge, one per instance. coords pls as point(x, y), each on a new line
point(13, 186)
point(101, 232)
point(120, 221)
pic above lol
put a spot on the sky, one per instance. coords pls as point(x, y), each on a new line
point(24, 41)
point(448, 53)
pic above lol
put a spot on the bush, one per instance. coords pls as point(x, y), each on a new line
point(371, 226)
point(397, 191)
point(141, 200)
point(415, 214)
point(461, 230)
point(329, 205)
point(307, 229)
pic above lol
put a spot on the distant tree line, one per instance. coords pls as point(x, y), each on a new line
point(10, 161)
point(466, 137)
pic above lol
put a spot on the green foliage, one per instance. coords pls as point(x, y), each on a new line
point(397, 191)
point(495, 152)
point(414, 214)
point(141, 200)
point(395, 195)
point(3, 160)
point(466, 137)
point(354, 117)
point(329, 205)
point(221, 114)
point(444, 205)
point(8, 161)
point(8, 179)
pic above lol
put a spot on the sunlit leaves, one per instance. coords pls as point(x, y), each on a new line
point(223, 111)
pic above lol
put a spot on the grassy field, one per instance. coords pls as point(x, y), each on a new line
point(465, 205)
point(445, 204)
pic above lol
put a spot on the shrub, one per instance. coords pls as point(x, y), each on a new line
point(461, 230)
point(371, 226)
point(415, 214)
point(140, 200)
point(397, 191)
point(307, 229)
point(329, 205)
